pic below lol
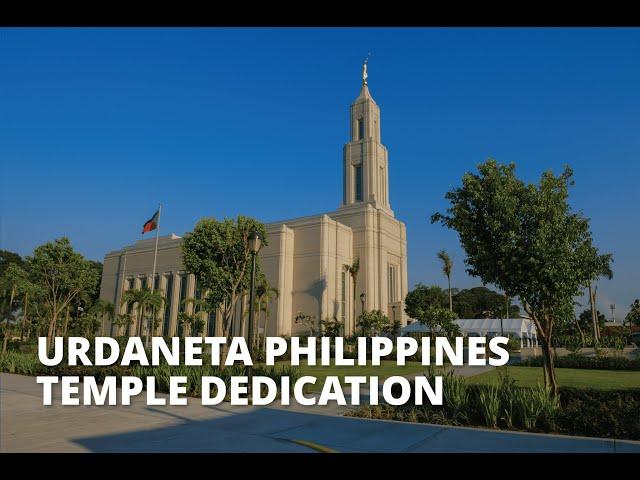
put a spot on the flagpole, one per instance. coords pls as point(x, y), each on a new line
point(153, 275)
point(155, 252)
point(117, 306)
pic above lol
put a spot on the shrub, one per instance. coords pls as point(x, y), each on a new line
point(593, 363)
point(507, 391)
point(21, 363)
point(590, 412)
point(489, 405)
point(455, 396)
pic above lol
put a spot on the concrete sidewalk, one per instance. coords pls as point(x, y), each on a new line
point(28, 426)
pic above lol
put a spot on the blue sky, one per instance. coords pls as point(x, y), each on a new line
point(99, 125)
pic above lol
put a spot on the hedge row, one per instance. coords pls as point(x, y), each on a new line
point(591, 363)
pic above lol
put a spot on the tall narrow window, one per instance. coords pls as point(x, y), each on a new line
point(183, 291)
point(344, 182)
point(360, 129)
point(358, 182)
point(211, 324)
point(392, 284)
point(167, 310)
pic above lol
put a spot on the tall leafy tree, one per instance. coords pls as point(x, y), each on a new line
point(63, 274)
point(439, 321)
point(447, 268)
point(217, 252)
point(422, 297)
point(10, 258)
point(525, 239)
point(13, 282)
point(482, 302)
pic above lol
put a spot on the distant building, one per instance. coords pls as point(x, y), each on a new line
point(522, 328)
point(306, 257)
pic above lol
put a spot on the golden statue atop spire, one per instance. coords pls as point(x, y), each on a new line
point(364, 69)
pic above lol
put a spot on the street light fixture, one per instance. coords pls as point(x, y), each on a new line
point(255, 243)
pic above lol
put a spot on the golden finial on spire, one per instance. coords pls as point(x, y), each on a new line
point(364, 69)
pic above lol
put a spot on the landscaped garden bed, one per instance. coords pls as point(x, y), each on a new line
point(502, 404)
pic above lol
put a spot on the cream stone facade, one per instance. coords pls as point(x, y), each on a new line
point(306, 257)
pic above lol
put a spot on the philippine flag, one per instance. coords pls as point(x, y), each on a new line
point(152, 223)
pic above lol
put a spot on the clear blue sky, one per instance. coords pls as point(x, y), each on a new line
point(99, 125)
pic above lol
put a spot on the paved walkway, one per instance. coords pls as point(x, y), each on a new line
point(28, 426)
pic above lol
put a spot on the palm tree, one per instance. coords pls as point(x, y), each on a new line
point(353, 270)
point(447, 267)
point(199, 305)
point(101, 309)
point(186, 320)
point(123, 320)
point(265, 294)
point(144, 298)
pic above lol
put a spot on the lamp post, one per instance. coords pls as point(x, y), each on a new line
point(362, 299)
point(255, 242)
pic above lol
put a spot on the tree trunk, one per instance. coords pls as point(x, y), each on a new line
point(594, 313)
point(13, 294)
point(266, 326)
point(66, 323)
point(549, 370)
point(5, 341)
point(24, 315)
point(52, 329)
point(579, 330)
point(450, 297)
point(544, 337)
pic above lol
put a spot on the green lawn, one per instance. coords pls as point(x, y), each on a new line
point(567, 377)
point(385, 370)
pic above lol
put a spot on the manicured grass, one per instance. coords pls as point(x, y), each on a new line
point(567, 377)
point(385, 370)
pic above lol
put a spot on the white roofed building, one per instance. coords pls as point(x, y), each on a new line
point(522, 328)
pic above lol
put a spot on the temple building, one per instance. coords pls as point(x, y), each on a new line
point(306, 257)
